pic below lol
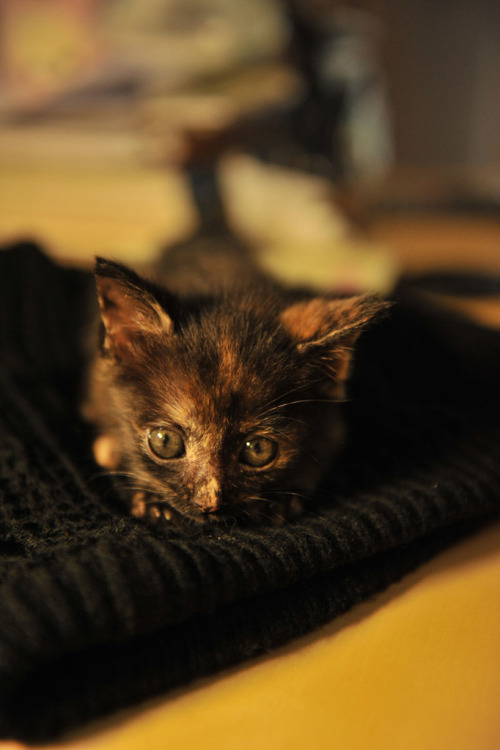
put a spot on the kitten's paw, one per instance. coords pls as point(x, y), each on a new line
point(106, 452)
point(150, 507)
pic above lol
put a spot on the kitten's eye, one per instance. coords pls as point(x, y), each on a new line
point(258, 451)
point(166, 443)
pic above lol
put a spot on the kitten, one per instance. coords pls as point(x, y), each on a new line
point(217, 393)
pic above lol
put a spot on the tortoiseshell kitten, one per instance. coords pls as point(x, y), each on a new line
point(216, 393)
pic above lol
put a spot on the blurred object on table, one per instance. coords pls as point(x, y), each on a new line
point(154, 98)
point(306, 76)
point(343, 117)
point(47, 48)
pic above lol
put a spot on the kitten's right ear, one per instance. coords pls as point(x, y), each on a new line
point(129, 310)
point(325, 330)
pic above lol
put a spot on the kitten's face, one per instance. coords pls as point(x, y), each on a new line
point(228, 413)
point(212, 425)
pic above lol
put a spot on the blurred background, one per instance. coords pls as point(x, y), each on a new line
point(347, 142)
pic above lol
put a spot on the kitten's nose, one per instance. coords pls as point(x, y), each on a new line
point(208, 496)
point(208, 505)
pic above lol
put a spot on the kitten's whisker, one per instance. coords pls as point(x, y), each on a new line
point(284, 395)
point(303, 401)
point(287, 393)
point(148, 491)
point(283, 434)
point(302, 386)
point(287, 492)
point(110, 473)
point(299, 421)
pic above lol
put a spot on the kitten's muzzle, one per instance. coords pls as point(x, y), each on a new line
point(210, 508)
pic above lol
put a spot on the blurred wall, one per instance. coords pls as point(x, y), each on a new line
point(443, 70)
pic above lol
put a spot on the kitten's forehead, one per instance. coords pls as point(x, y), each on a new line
point(221, 372)
point(225, 377)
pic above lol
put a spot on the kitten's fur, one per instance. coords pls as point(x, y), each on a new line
point(219, 355)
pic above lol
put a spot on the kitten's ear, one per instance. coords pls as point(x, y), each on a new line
point(129, 310)
point(325, 330)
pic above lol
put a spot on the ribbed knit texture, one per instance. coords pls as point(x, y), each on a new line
point(100, 611)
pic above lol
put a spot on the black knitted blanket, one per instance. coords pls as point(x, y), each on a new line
point(100, 611)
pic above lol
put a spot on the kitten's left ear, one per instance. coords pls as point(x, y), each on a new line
point(129, 310)
point(326, 330)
